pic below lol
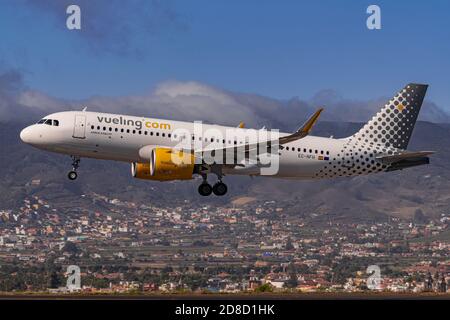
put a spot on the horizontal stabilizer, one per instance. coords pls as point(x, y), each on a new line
point(389, 159)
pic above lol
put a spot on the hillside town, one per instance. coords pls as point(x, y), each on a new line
point(250, 246)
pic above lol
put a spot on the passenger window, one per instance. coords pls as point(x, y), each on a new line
point(163, 134)
point(169, 135)
point(157, 134)
point(128, 130)
point(56, 123)
point(145, 132)
point(121, 130)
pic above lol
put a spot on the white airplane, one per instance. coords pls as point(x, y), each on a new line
point(167, 150)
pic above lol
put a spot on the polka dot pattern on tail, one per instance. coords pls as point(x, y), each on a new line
point(392, 126)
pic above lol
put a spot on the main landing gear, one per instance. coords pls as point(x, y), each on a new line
point(72, 175)
point(219, 188)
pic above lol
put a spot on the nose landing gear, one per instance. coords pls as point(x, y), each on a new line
point(72, 175)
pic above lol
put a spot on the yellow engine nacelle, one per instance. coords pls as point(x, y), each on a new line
point(165, 164)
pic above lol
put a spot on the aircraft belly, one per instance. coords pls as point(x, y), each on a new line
point(98, 149)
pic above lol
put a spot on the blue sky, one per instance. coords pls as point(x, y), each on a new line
point(279, 49)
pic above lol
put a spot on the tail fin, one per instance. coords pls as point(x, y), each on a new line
point(392, 126)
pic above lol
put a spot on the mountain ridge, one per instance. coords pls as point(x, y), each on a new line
point(425, 188)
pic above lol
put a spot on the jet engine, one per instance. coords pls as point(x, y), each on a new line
point(165, 164)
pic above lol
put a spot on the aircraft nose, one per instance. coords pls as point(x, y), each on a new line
point(25, 135)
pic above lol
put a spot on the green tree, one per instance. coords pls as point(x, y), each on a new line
point(264, 288)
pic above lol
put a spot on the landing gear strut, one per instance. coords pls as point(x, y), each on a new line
point(72, 175)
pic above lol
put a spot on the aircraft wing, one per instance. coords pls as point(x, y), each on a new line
point(389, 159)
point(302, 132)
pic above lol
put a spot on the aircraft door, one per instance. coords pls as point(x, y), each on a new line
point(79, 128)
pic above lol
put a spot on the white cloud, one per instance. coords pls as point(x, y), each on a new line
point(192, 101)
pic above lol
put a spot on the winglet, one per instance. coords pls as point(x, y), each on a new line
point(304, 130)
point(241, 125)
point(84, 109)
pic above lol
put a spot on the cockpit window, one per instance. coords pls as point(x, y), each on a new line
point(49, 122)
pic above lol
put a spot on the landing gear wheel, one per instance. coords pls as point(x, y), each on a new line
point(72, 175)
point(220, 188)
point(205, 189)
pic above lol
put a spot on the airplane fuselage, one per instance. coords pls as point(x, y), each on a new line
point(166, 150)
point(120, 138)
